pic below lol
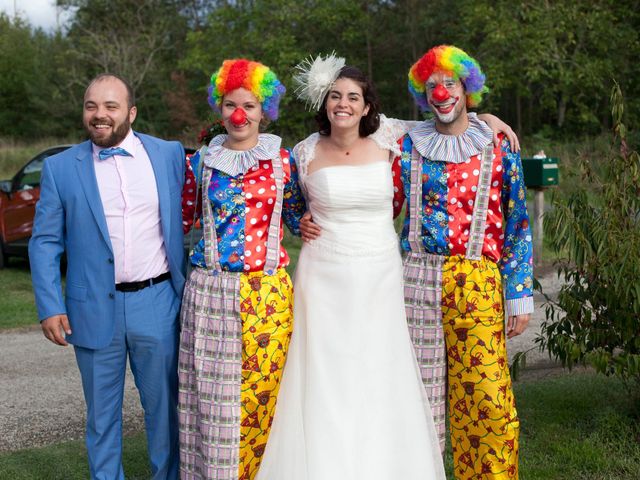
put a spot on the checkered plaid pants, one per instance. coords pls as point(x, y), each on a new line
point(423, 298)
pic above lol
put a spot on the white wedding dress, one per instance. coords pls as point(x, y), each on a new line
point(351, 404)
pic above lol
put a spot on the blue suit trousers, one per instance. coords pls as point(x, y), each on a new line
point(146, 331)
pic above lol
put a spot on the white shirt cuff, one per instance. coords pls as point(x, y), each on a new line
point(519, 306)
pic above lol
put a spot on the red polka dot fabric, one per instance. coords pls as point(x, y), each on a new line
point(462, 181)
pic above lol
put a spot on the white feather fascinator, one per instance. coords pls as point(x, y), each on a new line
point(314, 77)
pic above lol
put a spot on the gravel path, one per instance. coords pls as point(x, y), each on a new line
point(551, 285)
point(41, 398)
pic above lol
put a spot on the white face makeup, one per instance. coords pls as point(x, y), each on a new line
point(446, 97)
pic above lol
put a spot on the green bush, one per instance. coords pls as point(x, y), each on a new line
point(595, 229)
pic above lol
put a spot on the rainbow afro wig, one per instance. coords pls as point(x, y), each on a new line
point(254, 76)
point(452, 61)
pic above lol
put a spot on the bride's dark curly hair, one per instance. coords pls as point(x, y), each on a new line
point(368, 123)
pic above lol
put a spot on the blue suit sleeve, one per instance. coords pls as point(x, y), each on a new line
point(517, 256)
point(46, 247)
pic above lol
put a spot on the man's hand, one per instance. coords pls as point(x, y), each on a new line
point(55, 327)
point(498, 126)
point(308, 230)
point(517, 324)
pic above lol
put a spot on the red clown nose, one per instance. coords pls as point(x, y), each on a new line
point(238, 117)
point(440, 94)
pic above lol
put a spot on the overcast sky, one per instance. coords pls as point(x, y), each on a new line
point(39, 13)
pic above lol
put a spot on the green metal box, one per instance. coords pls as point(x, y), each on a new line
point(540, 172)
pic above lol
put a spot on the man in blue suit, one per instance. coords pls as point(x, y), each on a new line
point(113, 204)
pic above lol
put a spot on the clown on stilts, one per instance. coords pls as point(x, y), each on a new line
point(237, 307)
point(467, 262)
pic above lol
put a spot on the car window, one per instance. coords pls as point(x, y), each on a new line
point(29, 176)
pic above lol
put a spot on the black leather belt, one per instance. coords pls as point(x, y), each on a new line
point(135, 286)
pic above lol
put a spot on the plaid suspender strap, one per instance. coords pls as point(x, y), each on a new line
point(211, 255)
point(273, 238)
point(479, 218)
point(415, 203)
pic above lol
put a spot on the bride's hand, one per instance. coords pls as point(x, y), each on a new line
point(498, 126)
point(308, 230)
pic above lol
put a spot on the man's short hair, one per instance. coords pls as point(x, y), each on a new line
point(131, 99)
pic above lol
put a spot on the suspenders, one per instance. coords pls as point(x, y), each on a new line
point(273, 239)
point(415, 203)
point(481, 204)
point(479, 219)
point(211, 254)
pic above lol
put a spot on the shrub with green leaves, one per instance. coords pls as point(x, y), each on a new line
point(595, 230)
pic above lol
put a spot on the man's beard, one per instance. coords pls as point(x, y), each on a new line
point(118, 134)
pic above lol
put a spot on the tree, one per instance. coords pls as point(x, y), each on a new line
point(16, 70)
point(560, 56)
point(549, 64)
point(596, 230)
point(31, 104)
point(139, 40)
point(280, 34)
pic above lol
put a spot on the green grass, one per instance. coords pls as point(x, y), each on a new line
point(17, 307)
point(68, 461)
point(578, 426)
point(582, 426)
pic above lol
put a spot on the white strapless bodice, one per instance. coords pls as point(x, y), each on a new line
point(352, 204)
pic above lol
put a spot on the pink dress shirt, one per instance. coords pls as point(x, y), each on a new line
point(129, 197)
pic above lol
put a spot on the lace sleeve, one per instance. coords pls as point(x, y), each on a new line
point(303, 153)
point(391, 129)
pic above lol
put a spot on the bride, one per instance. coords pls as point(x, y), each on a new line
point(351, 405)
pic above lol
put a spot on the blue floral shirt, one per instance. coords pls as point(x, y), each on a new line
point(448, 195)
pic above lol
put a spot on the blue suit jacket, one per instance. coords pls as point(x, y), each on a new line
point(69, 217)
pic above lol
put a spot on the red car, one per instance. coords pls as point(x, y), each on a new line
point(18, 198)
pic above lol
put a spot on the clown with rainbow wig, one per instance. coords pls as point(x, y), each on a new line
point(237, 307)
point(467, 262)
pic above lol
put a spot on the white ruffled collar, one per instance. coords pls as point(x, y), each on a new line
point(235, 162)
point(437, 146)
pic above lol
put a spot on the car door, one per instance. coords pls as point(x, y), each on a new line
point(21, 202)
